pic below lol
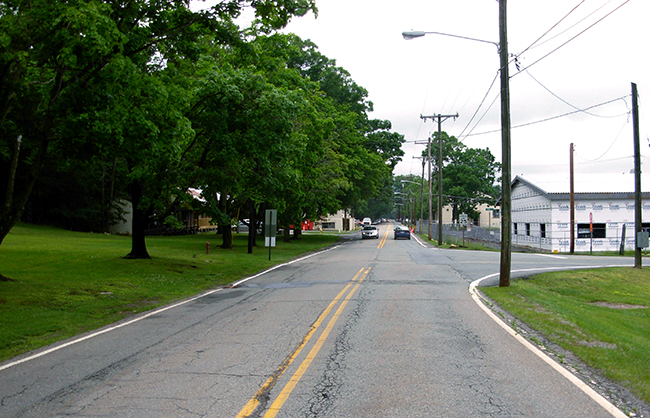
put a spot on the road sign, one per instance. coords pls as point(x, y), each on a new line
point(270, 227)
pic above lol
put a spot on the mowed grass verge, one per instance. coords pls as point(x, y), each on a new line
point(603, 316)
point(65, 283)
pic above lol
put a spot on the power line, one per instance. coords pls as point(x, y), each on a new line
point(571, 39)
point(479, 107)
point(611, 145)
point(571, 27)
point(551, 118)
point(547, 32)
point(569, 104)
point(484, 114)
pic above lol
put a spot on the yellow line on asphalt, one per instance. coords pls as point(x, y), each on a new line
point(284, 395)
point(383, 240)
point(252, 404)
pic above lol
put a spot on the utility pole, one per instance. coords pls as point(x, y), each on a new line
point(506, 203)
point(638, 219)
point(424, 161)
point(441, 118)
point(572, 200)
point(422, 198)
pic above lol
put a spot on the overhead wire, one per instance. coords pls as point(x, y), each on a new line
point(575, 107)
point(611, 145)
point(573, 38)
point(479, 108)
point(514, 59)
point(535, 45)
point(516, 56)
point(551, 118)
point(532, 45)
point(548, 31)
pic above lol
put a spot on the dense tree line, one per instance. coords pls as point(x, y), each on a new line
point(106, 100)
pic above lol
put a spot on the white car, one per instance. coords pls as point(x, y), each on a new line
point(369, 231)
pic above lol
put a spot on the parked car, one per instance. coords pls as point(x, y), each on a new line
point(369, 231)
point(402, 232)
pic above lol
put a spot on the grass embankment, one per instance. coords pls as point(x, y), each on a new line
point(65, 283)
point(603, 316)
point(456, 242)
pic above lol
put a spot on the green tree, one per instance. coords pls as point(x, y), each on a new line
point(469, 176)
point(53, 52)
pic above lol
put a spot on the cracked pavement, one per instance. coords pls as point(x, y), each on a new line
point(411, 342)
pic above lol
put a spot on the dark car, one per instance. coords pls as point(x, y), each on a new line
point(402, 232)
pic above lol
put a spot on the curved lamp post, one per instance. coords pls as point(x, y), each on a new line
point(502, 46)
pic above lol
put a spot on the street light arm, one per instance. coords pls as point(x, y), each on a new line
point(408, 35)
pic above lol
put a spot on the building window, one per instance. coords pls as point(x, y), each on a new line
point(527, 229)
point(542, 230)
point(329, 225)
point(600, 231)
point(515, 228)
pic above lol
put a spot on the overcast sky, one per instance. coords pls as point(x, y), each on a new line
point(442, 75)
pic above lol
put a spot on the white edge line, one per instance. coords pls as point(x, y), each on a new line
point(419, 240)
point(608, 406)
point(154, 312)
point(551, 256)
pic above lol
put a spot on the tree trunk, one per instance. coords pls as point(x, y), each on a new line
point(138, 244)
point(226, 234)
point(297, 231)
point(251, 228)
point(286, 234)
point(224, 223)
point(19, 187)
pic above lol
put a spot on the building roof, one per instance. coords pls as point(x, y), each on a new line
point(564, 195)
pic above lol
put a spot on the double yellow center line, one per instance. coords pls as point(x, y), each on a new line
point(383, 240)
point(252, 405)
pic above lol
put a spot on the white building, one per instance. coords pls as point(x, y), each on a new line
point(339, 221)
point(542, 220)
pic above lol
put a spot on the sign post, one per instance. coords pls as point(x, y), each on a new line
point(270, 229)
point(591, 232)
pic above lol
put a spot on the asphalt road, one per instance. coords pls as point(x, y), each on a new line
point(370, 328)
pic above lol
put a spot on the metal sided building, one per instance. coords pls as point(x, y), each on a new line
point(542, 220)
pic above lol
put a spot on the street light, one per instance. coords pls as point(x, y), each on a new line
point(408, 35)
point(502, 46)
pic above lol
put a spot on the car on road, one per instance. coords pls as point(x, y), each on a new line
point(370, 231)
point(402, 232)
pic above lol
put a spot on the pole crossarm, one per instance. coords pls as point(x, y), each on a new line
point(441, 118)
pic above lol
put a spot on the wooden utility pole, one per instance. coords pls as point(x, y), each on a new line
point(506, 211)
point(429, 168)
point(638, 203)
point(572, 203)
point(421, 195)
point(441, 118)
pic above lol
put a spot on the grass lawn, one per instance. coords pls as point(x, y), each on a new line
point(64, 283)
point(602, 316)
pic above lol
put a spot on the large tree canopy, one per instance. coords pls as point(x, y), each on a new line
point(54, 54)
point(153, 98)
point(469, 176)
